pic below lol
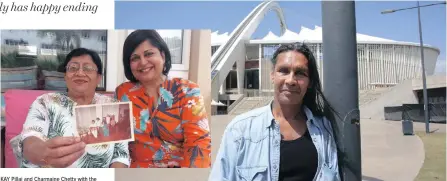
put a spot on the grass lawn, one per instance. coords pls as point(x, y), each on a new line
point(434, 167)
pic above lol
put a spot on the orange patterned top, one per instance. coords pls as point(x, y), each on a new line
point(174, 132)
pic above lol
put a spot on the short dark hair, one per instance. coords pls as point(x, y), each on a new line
point(135, 39)
point(79, 52)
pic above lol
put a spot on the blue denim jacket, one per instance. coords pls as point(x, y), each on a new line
point(250, 148)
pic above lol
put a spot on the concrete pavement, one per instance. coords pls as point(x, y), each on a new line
point(387, 154)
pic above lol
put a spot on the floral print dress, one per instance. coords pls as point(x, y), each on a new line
point(51, 115)
point(174, 132)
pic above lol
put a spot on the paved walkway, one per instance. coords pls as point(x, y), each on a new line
point(387, 154)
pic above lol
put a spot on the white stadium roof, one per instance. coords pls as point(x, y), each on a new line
point(306, 35)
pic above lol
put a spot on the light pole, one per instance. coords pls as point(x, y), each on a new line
point(424, 81)
point(340, 85)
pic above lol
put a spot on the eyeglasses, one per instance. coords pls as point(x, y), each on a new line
point(74, 68)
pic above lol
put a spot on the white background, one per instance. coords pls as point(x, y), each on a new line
point(101, 174)
point(103, 19)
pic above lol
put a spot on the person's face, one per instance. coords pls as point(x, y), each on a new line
point(290, 77)
point(82, 74)
point(146, 62)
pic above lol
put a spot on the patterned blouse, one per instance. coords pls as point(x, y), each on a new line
point(51, 115)
point(172, 133)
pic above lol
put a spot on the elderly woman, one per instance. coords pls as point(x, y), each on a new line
point(171, 125)
point(49, 136)
point(292, 138)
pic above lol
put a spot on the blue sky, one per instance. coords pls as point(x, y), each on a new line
point(225, 16)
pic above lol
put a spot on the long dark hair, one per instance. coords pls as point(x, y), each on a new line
point(314, 98)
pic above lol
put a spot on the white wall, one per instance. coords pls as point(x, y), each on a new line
point(115, 70)
point(400, 94)
point(86, 115)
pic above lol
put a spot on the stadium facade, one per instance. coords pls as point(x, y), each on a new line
point(381, 62)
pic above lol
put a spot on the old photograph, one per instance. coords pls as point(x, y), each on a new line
point(104, 123)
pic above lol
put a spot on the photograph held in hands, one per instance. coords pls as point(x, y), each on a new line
point(104, 123)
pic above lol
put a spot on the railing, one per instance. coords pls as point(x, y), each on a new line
point(415, 112)
point(251, 92)
point(233, 105)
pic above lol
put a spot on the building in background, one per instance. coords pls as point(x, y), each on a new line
point(381, 62)
point(241, 65)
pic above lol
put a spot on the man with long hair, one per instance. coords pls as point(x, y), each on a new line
point(292, 138)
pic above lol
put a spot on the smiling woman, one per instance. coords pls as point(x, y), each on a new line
point(82, 72)
point(171, 124)
point(48, 138)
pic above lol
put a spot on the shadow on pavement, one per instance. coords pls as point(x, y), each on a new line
point(434, 131)
point(366, 178)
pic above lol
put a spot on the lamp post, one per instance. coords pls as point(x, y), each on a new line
point(424, 81)
point(340, 86)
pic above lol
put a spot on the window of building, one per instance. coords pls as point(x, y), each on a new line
point(35, 56)
point(14, 42)
point(174, 40)
point(103, 38)
point(86, 34)
point(214, 49)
